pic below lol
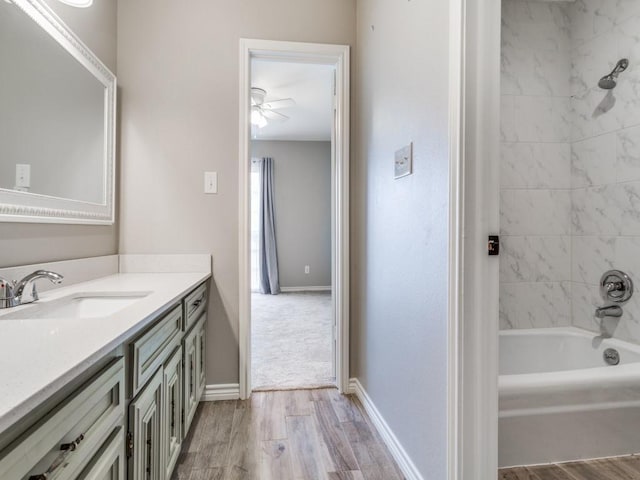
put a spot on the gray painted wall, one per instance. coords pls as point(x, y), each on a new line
point(302, 187)
point(400, 227)
point(178, 71)
point(22, 243)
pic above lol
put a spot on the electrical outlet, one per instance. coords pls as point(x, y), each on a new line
point(306, 269)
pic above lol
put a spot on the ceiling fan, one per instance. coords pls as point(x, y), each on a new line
point(264, 112)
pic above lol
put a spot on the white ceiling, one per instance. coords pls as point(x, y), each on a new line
point(310, 85)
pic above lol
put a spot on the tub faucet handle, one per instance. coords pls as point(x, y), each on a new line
point(616, 286)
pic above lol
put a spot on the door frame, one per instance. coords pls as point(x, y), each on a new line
point(474, 214)
point(326, 54)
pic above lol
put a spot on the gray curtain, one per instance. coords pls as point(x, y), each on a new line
point(268, 253)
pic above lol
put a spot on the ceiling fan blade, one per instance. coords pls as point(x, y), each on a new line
point(281, 103)
point(272, 116)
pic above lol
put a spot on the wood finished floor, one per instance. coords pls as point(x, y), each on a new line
point(285, 435)
point(618, 468)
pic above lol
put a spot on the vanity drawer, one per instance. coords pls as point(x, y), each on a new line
point(65, 440)
point(194, 304)
point(152, 349)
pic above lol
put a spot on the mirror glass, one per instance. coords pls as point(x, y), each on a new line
point(55, 118)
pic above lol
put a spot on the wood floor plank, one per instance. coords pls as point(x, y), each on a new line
point(275, 461)
point(255, 401)
point(306, 455)
point(344, 406)
point(198, 427)
point(183, 468)
point(616, 469)
point(373, 458)
point(588, 471)
point(239, 473)
point(352, 475)
point(336, 449)
point(548, 472)
point(207, 474)
point(215, 442)
point(244, 444)
point(227, 440)
point(632, 462)
point(517, 473)
point(272, 424)
point(298, 402)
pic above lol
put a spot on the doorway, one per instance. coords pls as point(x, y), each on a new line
point(327, 294)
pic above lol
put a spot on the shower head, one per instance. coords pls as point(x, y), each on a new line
point(609, 81)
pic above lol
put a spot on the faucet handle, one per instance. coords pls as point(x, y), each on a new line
point(6, 287)
point(616, 286)
point(7, 293)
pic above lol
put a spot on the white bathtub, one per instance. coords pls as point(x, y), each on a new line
point(559, 400)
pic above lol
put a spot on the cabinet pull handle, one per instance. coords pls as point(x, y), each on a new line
point(196, 304)
point(66, 450)
point(73, 445)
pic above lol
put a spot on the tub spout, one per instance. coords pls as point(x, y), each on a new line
point(610, 311)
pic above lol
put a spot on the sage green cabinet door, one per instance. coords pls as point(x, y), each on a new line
point(145, 429)
point(109, 463)
point(201, 356)
point(172, 419)
point(190, 378)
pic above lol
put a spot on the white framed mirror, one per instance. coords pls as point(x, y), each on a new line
point(57, 121)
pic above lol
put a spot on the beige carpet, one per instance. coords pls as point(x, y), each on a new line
point(291, 341)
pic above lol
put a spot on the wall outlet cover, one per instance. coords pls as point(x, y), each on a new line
point(403, 162)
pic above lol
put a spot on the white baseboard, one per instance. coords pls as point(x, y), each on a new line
point(305, 289)
point(223, 391)
point(391, 441)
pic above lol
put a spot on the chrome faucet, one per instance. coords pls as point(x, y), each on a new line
point(610, 311)
point(14, 293)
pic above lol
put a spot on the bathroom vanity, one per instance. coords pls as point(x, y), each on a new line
point(101, 378)
point(110, 396)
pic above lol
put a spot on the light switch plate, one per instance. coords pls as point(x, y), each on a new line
point(23, 175)
point(403, 162)
point(210, 182)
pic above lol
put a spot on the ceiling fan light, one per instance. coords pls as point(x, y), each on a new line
point(78, 3)
point(257, 118)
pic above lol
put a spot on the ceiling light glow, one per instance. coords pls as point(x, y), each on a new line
point(257, 118)
point(78, 3)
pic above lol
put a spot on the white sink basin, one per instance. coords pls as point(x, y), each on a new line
point(78, 305)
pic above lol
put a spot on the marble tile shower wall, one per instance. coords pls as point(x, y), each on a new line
point(605, 159)
point(570, 166)
point(535, 173)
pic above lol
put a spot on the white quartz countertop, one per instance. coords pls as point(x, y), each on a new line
point(38, 357)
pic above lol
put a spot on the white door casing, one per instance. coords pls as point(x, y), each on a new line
point(338, 56)
point(474, 214)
